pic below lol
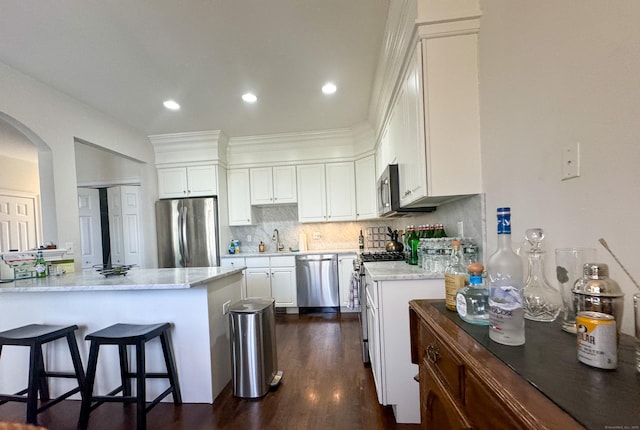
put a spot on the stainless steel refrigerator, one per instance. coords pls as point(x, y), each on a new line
point(187, 231)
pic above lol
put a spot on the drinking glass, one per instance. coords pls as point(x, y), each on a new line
point(636, 318)
point(569, 262)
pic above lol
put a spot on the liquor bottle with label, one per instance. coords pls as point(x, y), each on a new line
point(504, 270)
point(41, 266)
point(472, 302)
point(361, 241)
point(455, 275)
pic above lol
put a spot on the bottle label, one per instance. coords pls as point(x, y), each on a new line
point(452, 284)
point(504, 223)
point(506, 316)
point(461, 305)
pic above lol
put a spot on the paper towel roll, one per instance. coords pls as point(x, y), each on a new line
point(302, 242)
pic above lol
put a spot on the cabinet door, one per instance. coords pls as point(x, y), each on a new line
point(283, 286)
point(373, 332)
point(341, 190)
point(412, 168)
point(258, 282)
point(284, 184)
point(239, 197)
point(172, 182)
point(202, 180)
point(439, 410)
point(345, 267)
point(261, 185)
point(311, 193)
point(366, 200)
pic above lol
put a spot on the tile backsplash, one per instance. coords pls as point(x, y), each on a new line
point(344, 235)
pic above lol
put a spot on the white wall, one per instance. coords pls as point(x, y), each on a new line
point(19, 175)
point(551, 74)
point(56, 121)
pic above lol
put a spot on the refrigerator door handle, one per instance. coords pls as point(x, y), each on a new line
point(184, 242)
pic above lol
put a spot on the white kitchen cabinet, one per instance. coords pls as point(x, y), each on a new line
point(273, 185)
point(366, 200)
point(239, 197)
point(272, 277)
point(236, 262)
point(312, 193)
point(326, 192)
point(345, 274)
point(189, 181)
point(439, 104)
point(389, 341)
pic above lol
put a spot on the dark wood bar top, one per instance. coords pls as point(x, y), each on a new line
point(594, 398)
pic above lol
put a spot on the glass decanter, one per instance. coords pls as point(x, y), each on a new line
point(542, 302)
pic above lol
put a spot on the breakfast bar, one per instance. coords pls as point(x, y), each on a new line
point(192, 300)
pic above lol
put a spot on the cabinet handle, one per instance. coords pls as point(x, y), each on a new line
point(433, 353)
point(406, 193)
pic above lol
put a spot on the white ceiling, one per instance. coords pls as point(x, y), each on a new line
point(124, 57)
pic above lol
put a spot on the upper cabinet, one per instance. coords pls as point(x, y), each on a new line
point(239, 197)
point(433, 130)
point(273, 185)
point(326, 192)
point(366, 203)
point(189, 181)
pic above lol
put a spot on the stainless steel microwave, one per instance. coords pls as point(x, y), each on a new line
point(389, 195)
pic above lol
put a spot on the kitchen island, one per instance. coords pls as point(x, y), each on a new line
point(190, 299)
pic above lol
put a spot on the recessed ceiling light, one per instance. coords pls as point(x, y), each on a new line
point(329, 88)
point(172, 105)
point(249, 98)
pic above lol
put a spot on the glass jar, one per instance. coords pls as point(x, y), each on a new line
point(542, 301)
point(598, 293)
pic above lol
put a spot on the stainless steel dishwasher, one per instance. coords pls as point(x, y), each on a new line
point(317, 279)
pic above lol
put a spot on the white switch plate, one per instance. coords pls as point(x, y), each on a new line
point(316, 235)
point(69, 247)
point(249, 238)
point(570, 161)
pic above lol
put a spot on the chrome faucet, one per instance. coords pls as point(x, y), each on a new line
point(276, 237)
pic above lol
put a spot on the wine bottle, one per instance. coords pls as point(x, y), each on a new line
point(504, 270)
point(361, 241)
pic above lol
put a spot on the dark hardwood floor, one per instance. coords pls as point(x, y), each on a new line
point(325, 386)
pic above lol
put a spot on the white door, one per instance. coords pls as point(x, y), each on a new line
point(90, 227)
point(124, 225)
point(17, 223)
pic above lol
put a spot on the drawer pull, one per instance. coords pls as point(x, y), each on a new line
point(433, 353)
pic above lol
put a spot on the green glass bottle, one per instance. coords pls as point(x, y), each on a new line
point(41, 266)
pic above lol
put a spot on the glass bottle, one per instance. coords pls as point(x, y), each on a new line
point(430, 231)
point(361, 241)
point(455, 275)
point(504, 271)
point(472, 301)
point(542, 302)
point(414, 243)
point(41, 266)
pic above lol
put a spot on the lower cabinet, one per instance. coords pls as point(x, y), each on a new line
point(272, 277)
point(390, 343)
point(345, 273)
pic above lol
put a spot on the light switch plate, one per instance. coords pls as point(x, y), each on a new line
point(570, 161)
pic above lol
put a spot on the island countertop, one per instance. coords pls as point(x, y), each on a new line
point(135, 279)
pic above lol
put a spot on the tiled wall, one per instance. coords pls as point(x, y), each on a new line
point(344, 235)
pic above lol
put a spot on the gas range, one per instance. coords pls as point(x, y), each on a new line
point(381, 256)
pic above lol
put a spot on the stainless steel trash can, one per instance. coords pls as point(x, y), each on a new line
point(253, 347)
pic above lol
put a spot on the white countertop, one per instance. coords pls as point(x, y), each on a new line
point(291, 253)
point(396, 271)
point(135, 279)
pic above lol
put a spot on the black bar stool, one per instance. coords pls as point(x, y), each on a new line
point(34, 336)
point(136, 335)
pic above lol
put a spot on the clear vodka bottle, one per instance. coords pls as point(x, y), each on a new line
point(504, 270)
